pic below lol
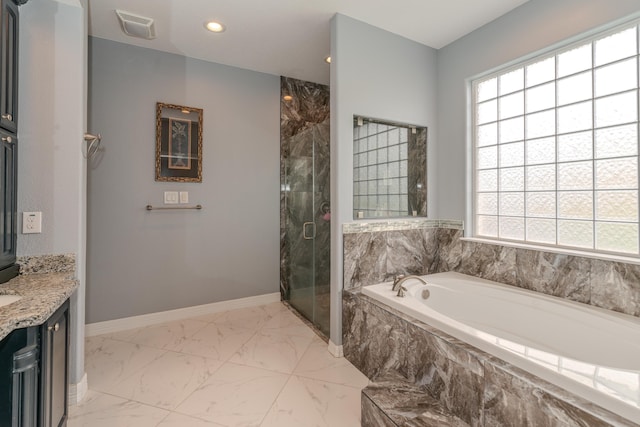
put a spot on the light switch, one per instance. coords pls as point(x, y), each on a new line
point(170, 197)
point(31, 222)
point(184, 197)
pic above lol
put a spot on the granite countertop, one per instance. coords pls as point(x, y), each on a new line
point(42, 295)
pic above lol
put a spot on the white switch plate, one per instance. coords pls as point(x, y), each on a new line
point(184, 197)
point(31, 222)
point(170, 197)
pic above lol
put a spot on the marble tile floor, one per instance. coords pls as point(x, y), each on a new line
point(258, 366)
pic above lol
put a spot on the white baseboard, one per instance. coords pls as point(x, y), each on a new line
point(78, 391)
point(117, 325)
point(336, 350)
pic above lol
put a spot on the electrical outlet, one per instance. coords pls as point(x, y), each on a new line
point(31, 222)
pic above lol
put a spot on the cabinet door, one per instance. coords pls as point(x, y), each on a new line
point(55, 369)
point(9, 67)
point(24, 387)
point(18, 364)
point(8, 185)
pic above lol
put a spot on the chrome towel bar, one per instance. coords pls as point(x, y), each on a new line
point(159, 208)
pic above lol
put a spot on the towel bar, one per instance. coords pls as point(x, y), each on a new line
point(158, 208)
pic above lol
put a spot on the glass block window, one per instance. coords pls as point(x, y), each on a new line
point(389, 169)
point(556, 148)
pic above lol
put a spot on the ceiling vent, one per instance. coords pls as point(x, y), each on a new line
point(136, 25)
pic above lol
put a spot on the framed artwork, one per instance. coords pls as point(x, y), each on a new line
point(178, 143)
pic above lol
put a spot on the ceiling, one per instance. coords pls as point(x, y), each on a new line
point(287, 37)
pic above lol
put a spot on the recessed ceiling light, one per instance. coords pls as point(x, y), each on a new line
point(214, 27)
point(287, 97)
point(327, 60)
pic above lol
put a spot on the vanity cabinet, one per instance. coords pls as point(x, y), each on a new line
point(8, 133)
point(19, 378)
point(9, 67)
point(8, 199)
point(54, 369)
point(34, 372)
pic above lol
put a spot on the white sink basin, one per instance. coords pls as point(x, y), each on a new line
point(8, 299)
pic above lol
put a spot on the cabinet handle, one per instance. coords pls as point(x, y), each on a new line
point(54, 328)
point(8, 117)
point(7, 139)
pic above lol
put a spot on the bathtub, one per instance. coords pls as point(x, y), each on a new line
point(587, 351)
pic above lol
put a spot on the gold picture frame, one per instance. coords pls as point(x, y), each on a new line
point(178, 143)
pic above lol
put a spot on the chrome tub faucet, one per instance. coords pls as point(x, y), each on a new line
point(399, 280)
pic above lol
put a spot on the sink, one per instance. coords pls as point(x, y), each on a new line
point(8, 299)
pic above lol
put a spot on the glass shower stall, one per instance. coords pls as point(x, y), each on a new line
point(305, 210)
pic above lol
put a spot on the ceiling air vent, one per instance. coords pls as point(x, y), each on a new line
point(136, 25)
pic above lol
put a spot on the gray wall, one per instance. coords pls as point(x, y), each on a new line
point(51, 168)
point(381, 75)
point(527, 29)
point(142, 262)
point(52, 115)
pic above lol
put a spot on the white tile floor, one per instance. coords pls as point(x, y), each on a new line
point(259, 366)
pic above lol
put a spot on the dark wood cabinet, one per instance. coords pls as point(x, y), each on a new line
point(8, 198)
point(19, 378)
point(9, 67)
point(9, 140)
point(34, 372)
point(54, 369)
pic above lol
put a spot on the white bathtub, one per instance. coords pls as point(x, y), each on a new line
point(590, 352)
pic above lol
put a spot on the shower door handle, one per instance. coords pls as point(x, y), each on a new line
point(313, 231)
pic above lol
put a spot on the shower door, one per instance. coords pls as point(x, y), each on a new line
point(304, 199)
point(306, 217)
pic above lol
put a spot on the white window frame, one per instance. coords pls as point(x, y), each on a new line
point(553, 50)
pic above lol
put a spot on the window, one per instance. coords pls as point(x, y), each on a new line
point(389, 169)
point(556, 148)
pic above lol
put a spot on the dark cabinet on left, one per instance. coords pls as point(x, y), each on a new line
point(19, 353)
point(9, 67)
point(8, 202)
point(54, 369)
point(9, 21)
point(34, 372)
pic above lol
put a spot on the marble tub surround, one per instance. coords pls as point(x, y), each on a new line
point(376, 252)
point(513, 397)
point(41, 294)
point(479, 389)
point(378, 340)
point(600, 283)
point(40, 264)
point(392, 401)
point(370, 257)
point(615, 286)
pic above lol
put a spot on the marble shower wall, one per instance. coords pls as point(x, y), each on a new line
point(304, 151)
point(374, 253)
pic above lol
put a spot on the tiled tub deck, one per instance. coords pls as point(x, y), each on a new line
point(477, 388)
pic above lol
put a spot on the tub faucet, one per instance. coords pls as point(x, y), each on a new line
point(399, 280)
